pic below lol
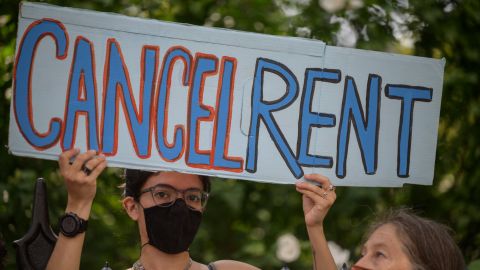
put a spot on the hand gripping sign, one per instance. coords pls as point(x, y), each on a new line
point(154, 95)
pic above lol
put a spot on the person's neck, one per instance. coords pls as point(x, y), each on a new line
point(154, 259)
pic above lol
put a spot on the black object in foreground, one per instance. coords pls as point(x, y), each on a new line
point(36, 246)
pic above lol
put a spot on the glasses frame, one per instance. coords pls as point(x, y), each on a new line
point(205, 195)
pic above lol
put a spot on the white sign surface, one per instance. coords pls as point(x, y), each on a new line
point(154, 95)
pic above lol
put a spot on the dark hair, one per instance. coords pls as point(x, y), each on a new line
point(429, 244)
point(134, 180)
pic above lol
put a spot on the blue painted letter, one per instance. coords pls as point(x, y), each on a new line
point(22, 96)
point(82, 78)
point(173, 151)
point(222, 123)
point(308, 119)
point(408, 95)
point(262, 110)
point(366, 127)
point(205, 65)
point(118, 89)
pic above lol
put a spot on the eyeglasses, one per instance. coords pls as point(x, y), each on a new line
point(166, 195)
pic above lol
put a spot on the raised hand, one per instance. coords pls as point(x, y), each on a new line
point(80, 172)
point(317, 200)
point(80, 178)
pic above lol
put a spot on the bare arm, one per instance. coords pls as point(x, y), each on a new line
point(81, 188)
point(316, 203)
point(233, 265)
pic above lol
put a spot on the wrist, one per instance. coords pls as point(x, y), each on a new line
point(316, 233)
point(80, 209)
point(72, 225)
point(315, 228)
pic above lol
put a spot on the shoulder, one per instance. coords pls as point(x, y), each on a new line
point(232, 265)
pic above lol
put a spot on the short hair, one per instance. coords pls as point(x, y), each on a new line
point(135, 179)
point(429, 244)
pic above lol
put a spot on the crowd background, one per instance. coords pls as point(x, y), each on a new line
point(248, 218)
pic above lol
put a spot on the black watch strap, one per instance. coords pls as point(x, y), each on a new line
point(71, 224)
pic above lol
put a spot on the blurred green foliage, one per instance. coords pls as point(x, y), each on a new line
point(244, 218)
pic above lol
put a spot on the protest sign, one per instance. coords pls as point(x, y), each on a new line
point(155, 95)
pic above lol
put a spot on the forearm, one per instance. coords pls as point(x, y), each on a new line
point(68, 250)
point(322, 257)
point(67, 253)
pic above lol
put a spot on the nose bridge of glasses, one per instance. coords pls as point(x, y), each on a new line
point(180, 194)
point(183, 194)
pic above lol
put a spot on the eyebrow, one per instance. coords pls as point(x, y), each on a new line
point(374, 246)
point(172, 187)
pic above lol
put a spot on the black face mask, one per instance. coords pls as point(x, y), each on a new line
point(171, 229)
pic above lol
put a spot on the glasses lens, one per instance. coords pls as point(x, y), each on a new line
point(195, 199)
point(163, 195)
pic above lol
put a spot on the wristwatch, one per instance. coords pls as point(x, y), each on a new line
point(70, 224)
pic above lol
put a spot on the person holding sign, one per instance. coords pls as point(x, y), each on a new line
point(167, 206)
point(400, 240)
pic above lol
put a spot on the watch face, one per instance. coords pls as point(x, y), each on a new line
point(69, 225)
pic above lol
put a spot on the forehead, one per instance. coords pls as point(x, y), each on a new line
point(175, 179)
point(386, 236)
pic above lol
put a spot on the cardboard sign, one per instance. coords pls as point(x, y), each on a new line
point(154, 95)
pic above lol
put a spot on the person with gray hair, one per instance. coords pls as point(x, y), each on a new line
point(398, 240)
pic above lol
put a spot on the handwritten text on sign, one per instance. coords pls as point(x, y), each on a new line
point(156, 95)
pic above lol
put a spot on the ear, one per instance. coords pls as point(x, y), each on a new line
point(131, 207)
